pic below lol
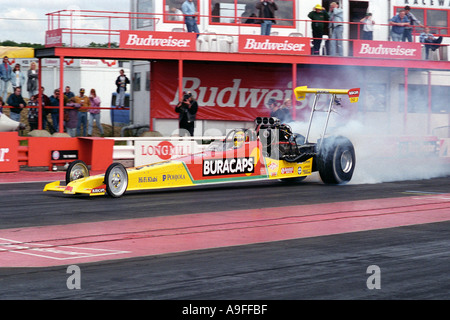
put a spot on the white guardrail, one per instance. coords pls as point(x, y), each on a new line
point(147, 150)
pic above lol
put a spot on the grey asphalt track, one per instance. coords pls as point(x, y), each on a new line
point(414, 261)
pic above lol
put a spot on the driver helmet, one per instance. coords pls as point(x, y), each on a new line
point(239, 138)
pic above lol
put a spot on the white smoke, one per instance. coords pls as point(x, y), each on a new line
point(379, 154)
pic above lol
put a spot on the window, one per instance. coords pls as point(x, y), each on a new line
point(136, 81)
point(244, 11)
point(418, 101)
point(436, 19)
point(172, 10)
point(144, 21)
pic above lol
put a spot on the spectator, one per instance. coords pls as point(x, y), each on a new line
point(5, 77)
point(175, 14)
point(71, 117)
point(319, 17)
point(18, 78)
point(17, 104)
point(431, 42)
point(407, 33)
point(94, 114)
point(266, 10)
point(69, 94)
point(187, 109)
point(367, 27)
point(336, 27)
point(32, 83)
point(1, 104)
point(46, 111)
point(121, 83)
point(286, 109)
point(398, 23)
point(190, 13)
point(33, 113)
point(54, 111)
point(84, 103)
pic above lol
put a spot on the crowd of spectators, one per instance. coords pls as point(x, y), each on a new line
point(80, 112)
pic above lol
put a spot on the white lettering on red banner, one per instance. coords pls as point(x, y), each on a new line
point(53, 38)
point(385, 49)
point(157, 40)
point(263, 44)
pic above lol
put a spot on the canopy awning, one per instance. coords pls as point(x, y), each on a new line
point(16, 52)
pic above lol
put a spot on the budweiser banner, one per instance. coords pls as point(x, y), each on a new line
point(9, 161)
point(179, 41)
point(386, 49)
point(238, 91)
point(282, 45)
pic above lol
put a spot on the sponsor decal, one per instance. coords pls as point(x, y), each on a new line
point(299, 170)
point(353, 94)
point(157, 40)
point(147, 152)
point(263, 44)
point(216, 167)
point(98, 190)
point(173, 177)
point(385, 49)
point(273, 166)
point(147, 179)
point(64, 154)
point(288, 170)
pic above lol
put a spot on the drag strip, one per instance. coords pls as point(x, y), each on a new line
point(91, 242)
point(226, 242)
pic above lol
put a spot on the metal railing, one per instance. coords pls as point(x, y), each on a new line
point(83, 27)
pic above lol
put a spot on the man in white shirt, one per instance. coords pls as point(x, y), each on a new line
point(336, 27)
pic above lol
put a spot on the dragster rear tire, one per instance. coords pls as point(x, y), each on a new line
point(76, 170)
point(116, 180)
point(336, 160)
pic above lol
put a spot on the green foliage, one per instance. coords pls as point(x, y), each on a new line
point(10, 43)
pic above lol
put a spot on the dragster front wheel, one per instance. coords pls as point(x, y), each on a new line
point(76, 170)
point(116, 180)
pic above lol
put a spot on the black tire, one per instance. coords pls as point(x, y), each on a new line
point(336, 160)
point(76, 170)
point(116, 180)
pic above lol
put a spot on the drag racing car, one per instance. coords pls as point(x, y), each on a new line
point(269, 151)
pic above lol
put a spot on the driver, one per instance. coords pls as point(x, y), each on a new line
point(239, 138)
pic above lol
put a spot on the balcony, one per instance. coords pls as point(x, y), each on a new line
point(106, 29)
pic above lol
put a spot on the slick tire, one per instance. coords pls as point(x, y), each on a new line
point(116, 180)
point(336, 160)
point(76, 170)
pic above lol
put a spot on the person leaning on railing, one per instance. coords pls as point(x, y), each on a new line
point(431, 42)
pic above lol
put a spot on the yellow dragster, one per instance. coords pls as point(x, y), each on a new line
point(270, 151)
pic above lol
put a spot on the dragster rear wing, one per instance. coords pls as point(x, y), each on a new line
point(353, 94)
point(300, 94)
